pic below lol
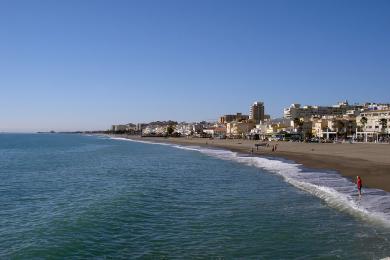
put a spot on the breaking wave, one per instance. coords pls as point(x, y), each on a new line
point(338, 192)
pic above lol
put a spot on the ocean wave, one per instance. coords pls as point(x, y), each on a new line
point(335, 190)
point(138, 141)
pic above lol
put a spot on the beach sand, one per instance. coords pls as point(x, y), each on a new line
point(369, 160)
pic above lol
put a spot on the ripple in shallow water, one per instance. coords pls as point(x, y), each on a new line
point(123, 199)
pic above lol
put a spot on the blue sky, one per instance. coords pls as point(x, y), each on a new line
point(78, 64)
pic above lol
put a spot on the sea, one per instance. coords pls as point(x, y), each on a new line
point(68, 196)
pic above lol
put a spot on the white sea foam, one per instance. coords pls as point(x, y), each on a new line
point(138, 141)
point(337, 191)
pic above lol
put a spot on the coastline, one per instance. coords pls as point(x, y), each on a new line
point(370, 161)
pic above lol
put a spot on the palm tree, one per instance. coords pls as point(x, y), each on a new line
point(170, 129)
point(383, 123)
point(363, 121)
point(340, 127)
point(298, 122)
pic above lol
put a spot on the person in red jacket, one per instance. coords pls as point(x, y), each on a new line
point(359, 184)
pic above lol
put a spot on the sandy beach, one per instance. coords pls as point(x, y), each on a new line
point(370, 161)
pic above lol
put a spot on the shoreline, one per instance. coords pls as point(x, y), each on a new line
point(370, 161)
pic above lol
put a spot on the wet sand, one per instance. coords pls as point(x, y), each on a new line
point(370, 161)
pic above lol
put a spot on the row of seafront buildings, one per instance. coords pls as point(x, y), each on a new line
point(232, 126)
point(163, 128)
point(358, 122)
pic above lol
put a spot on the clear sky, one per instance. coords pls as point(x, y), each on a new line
point(79, 64)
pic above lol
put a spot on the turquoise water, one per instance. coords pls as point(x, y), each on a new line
point(73, 196)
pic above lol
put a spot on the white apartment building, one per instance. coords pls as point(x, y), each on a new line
point(376, 106)
point(324, 128)
point(297, 111)
point(239, 128)
point(219, 132)
point(154, 130)
point(127, 127)
point(117, 128)
point(374, 121)
point(184, 129)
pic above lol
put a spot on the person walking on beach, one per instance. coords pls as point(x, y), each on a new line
point(359, 184)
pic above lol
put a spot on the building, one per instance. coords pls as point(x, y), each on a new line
point(230, 118)
point(131, 127)
point(184, 129)
point(256, 112)
point(373, 125)
point(239, 129)
point(216, 132)
point(119, 128)
point(375, 106)
point(124, 128)
point(324, 128)
point(140, 126)
point(154, 130)
point(197, 128)
point(277, 129)
point(373, 121)
point(297, 111)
